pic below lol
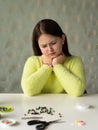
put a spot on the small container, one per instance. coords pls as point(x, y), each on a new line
point(7, 122)
point(83, 106)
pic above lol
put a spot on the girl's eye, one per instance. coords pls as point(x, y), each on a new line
point(43, 46)
point(52, 43)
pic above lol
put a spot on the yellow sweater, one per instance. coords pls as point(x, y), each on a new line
point(68, 77)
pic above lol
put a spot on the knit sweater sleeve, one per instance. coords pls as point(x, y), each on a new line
point(34, 77)
point(72, 77)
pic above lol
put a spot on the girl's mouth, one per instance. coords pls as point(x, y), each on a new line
point(51, 54)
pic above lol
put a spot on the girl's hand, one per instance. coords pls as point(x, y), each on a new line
point(58, 60)
point(46, 60)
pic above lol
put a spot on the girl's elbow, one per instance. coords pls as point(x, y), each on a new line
point(80, 91)
point(28, 90)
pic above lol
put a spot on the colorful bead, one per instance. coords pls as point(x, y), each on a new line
point(80, 122)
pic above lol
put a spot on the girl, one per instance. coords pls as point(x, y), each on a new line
point(53, 69)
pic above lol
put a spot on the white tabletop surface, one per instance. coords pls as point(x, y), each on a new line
point(61, 103)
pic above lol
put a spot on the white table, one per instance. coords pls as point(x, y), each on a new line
point(62, 103)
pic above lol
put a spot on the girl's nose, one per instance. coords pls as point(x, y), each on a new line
point(50, 48)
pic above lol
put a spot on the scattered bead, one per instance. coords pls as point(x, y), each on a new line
point(40, 110)
point(25, 114)
point(80, 122)
point(60, 115)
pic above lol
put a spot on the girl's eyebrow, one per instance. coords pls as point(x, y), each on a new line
point(50, 42)
point(54, 41)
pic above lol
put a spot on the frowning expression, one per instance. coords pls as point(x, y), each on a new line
point(50, 45)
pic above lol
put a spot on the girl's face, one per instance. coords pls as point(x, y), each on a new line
point(50, 45)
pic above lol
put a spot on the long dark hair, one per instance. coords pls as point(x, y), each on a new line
point(47, 26)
